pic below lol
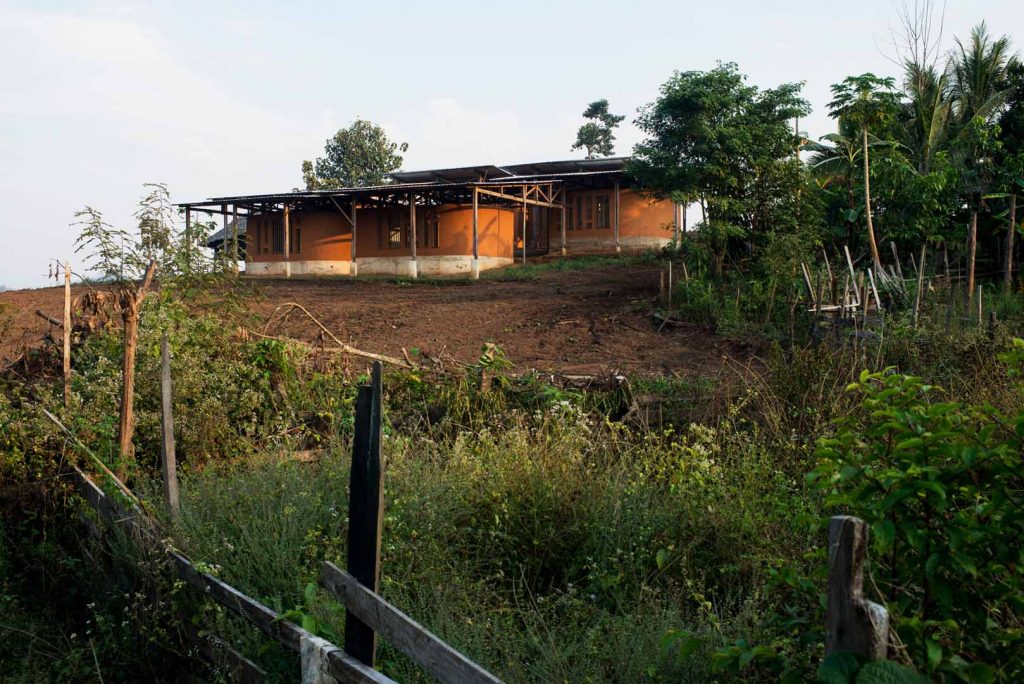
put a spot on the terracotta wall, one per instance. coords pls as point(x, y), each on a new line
point(638, 216)
point(455, 232)
point(315, 236)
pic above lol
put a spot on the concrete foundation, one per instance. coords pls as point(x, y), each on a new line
point(286, 268)
point(631, 244)
point(428, 265)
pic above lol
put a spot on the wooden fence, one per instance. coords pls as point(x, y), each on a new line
point(367, 614)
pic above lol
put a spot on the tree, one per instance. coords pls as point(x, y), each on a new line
point(865, 102)
point(730, 145)
point(1011, 162)
point(597, 136)
point(357, 156)
point(978, 90)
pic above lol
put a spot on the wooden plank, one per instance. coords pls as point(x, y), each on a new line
point(853, 623)
point(428, 651)
point(412, 224)
point(342, 666)
point(918, 295)
point(524, 224)
point(234, 666)
point(365, 511)
point(168, 460)
point(853, 274)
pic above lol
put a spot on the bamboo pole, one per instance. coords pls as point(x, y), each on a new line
point(920, 284)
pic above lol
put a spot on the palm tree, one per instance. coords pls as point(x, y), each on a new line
point(865, 102)
point(978, 89)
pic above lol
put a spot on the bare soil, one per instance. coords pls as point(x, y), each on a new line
point(594, 320)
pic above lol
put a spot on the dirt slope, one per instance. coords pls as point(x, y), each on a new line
point(585, 321)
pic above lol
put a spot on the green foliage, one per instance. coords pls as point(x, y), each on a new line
point(937, 481)
point(597, 136)
point(360, 155)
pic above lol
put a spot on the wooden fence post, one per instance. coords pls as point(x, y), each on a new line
point(853, 623)
point(168, 459)
point(67, 334)
point(365, 506)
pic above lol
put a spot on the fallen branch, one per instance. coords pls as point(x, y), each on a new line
point(343, 348)
point(48, 318)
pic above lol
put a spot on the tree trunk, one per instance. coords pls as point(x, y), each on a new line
point(972, 250)
point(126, 425)
point(1011, 230)
point(867, 205)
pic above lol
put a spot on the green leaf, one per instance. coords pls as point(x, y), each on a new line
point(839, 668)
point(661, 558)
point(308, 623)
point(980, 673)
point(310, 593)
point(934, 653)
point(888, 672)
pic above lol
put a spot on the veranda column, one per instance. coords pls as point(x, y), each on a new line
point(188, 239)
point(524, 223)
point(287, 244)
point(565, 215)
point(618, 247)
point(354, 267)
point(413, 271)
point(475, 266)
point(234, 238)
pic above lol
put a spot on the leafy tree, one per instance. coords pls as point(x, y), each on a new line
point(357, 156)
point(730, 145)
point(865, 102)
point(597, 136)
point(1011, 162)
point(978, 89)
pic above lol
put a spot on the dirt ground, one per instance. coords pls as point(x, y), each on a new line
point(594, 320)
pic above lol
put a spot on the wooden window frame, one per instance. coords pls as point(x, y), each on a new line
point(604, 206)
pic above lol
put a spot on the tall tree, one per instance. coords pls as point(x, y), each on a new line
point(357, 156)
point(597, 136)
point(713, 137)
point(1011, 162)
point(867, 102)
point(978, 89)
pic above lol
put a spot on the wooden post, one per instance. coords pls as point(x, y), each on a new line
point(670, 283)
point(618, 248)
point(980, 320)
point(168, 460)
point(413, 270)
point(67, 334)
point(896, 257)
point(853, 274)
point(565, 220)
point(675, 224)
point(354, 268)
point(853, 623)
point(287, 243)
point(524, 223)
point(1011, 229)
point(188, 240)
point(365, 512)
point(475, 267)
point(920, 284)
point(225, 254)
point(234, 238)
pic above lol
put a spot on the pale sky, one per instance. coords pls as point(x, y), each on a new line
point(220, 98)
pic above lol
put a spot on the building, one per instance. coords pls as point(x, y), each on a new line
point(449, 221)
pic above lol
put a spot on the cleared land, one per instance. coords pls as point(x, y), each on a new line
point(591, 320)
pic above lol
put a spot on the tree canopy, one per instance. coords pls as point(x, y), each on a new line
point(357, 156)
point(597, 136)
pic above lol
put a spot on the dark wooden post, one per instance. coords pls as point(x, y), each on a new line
point(564, 219)
point(225, 254)
point(188, 240)
point(854, 624)
point(67, 334)
point(234, 238)
point(168, 459)
point(354, 268)
point(524, 223)
point(414, 268)
point(366, 503)
point(618, 247)
point(475, 266)
point(287, 243)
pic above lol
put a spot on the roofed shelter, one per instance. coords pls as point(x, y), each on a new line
point(448, 221)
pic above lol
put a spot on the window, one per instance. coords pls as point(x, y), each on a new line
point(602, 212)
point(429, 238)
point(296, 245)
point(278, 237)
point(590, 211)
point(380, 231)
point(394, 230)
point(568, 217)
point(579, 213)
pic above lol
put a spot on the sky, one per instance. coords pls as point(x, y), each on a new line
point(221, 98)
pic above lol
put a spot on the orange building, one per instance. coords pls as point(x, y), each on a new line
point(449, 221)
